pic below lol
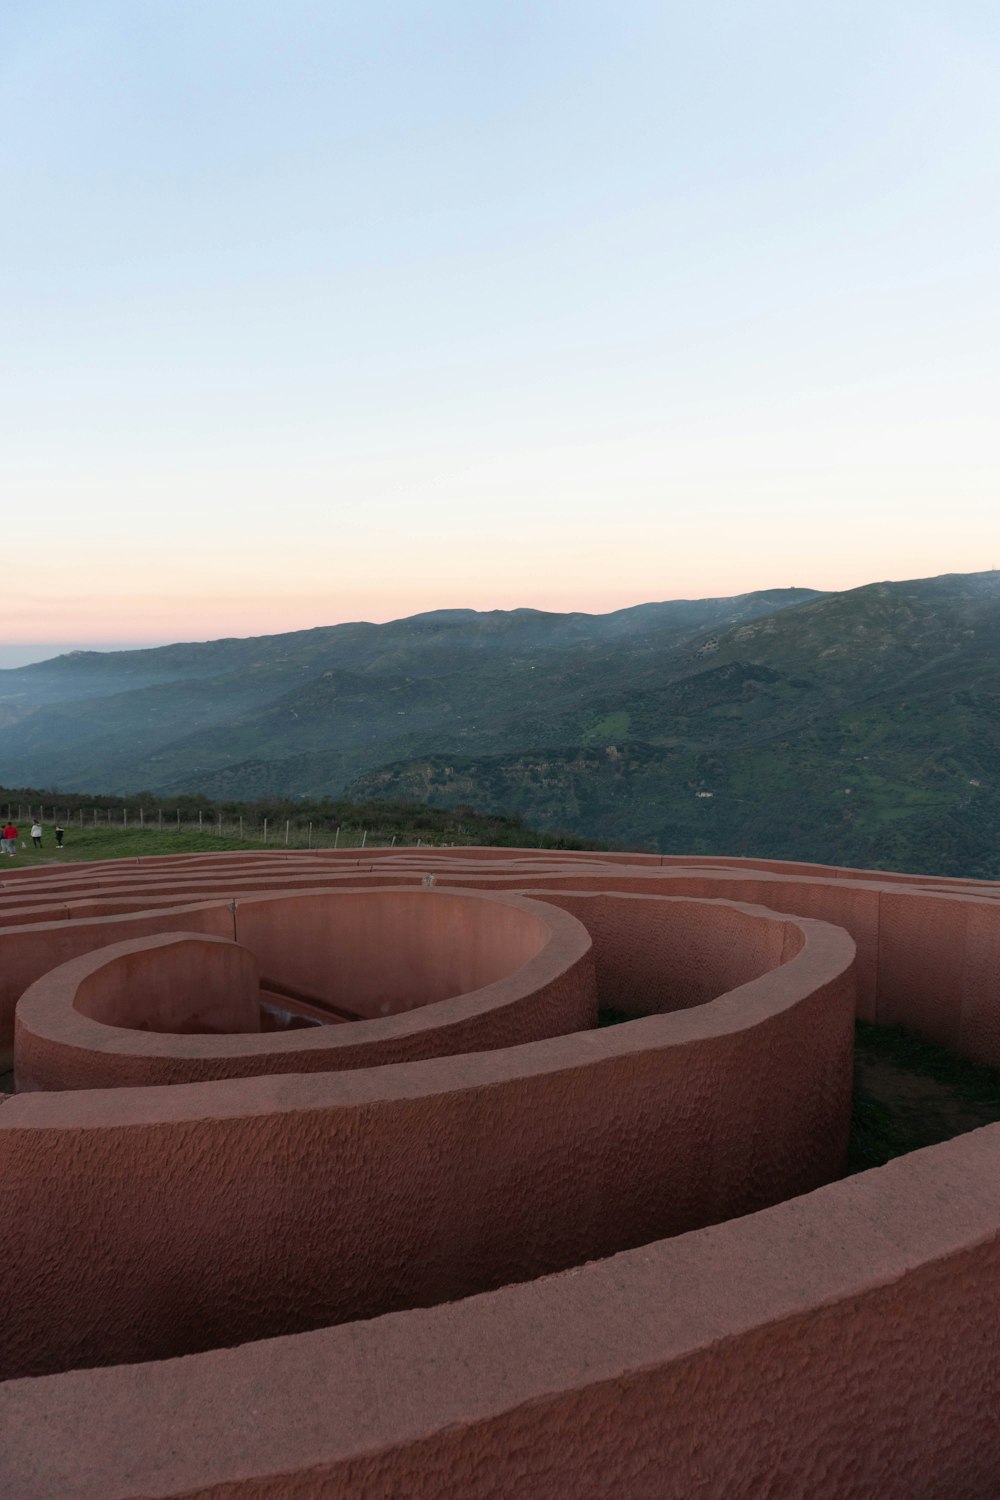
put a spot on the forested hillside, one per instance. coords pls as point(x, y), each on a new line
point(861, 727)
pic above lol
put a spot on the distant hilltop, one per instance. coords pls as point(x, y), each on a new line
point(860, 727)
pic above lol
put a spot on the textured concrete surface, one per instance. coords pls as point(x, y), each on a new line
point(446, 972)
point(427, 1181)
point(574, 1263)
point(842, 1345)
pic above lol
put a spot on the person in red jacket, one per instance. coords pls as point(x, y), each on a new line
point(10, 839)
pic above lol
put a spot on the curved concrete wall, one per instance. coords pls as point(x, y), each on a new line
point(202, 984)
point(381, 952)
point(425, 1181)
point(836, 1344)
point(315, 939)
point(655, 954)
point(840, 1347)
point(926, 953)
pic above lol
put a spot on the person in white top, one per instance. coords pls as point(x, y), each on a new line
point(36, 835)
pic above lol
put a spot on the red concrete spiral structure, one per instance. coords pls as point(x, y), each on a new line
point(419, 974)
point(319, 1180)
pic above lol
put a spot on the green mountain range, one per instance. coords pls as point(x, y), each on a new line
point(853, 728)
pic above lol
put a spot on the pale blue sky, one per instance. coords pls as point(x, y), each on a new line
point(314, 311)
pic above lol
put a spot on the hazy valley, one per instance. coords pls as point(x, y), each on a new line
point(860, 728)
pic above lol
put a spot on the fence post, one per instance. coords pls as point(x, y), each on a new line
point(161, 819)
point(287, 823)
point(265, 830)
point(310, 843)
point(241, 825)
point(364, 838)
point(199, 820)
point(220, 822)
point(142, 817)
point(393, 844)
point(178, 820)
point(336, 840)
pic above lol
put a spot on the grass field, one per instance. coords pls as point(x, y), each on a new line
point(910, 1093)
point(133, 843)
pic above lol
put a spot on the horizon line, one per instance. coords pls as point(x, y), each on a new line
point(122, 646)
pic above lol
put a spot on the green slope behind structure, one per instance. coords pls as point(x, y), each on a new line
point(176, 715)
point(859, 728)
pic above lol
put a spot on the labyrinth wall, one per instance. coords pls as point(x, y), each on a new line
point(319, 1179)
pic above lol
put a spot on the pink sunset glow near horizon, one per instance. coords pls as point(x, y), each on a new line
point(136, 623)
point(315, 314)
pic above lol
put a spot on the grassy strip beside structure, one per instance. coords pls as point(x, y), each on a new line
point(107, 827)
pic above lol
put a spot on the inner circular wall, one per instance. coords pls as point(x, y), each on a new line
point(182, 1007)
point(378, 953)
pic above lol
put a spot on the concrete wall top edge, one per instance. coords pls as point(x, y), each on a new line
point(296, 1403)
point(839, 1343)
point(826, 954)
point(48, 1010)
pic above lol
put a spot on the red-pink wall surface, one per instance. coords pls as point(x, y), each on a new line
point(838, 1347)
point(532, 966)
point(423, 1182)
point(591, 1264)
point(172, 984)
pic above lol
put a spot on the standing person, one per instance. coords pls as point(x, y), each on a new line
point(59, 835)
point(36, 835)
point(10, 839)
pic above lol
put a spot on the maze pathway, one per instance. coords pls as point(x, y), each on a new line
point(320, 1178)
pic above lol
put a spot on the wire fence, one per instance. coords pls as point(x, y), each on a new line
point(288, 833)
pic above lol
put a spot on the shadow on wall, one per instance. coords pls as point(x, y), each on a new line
point(652, 1371)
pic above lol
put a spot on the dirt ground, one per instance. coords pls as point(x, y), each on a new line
point(923, 1110)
